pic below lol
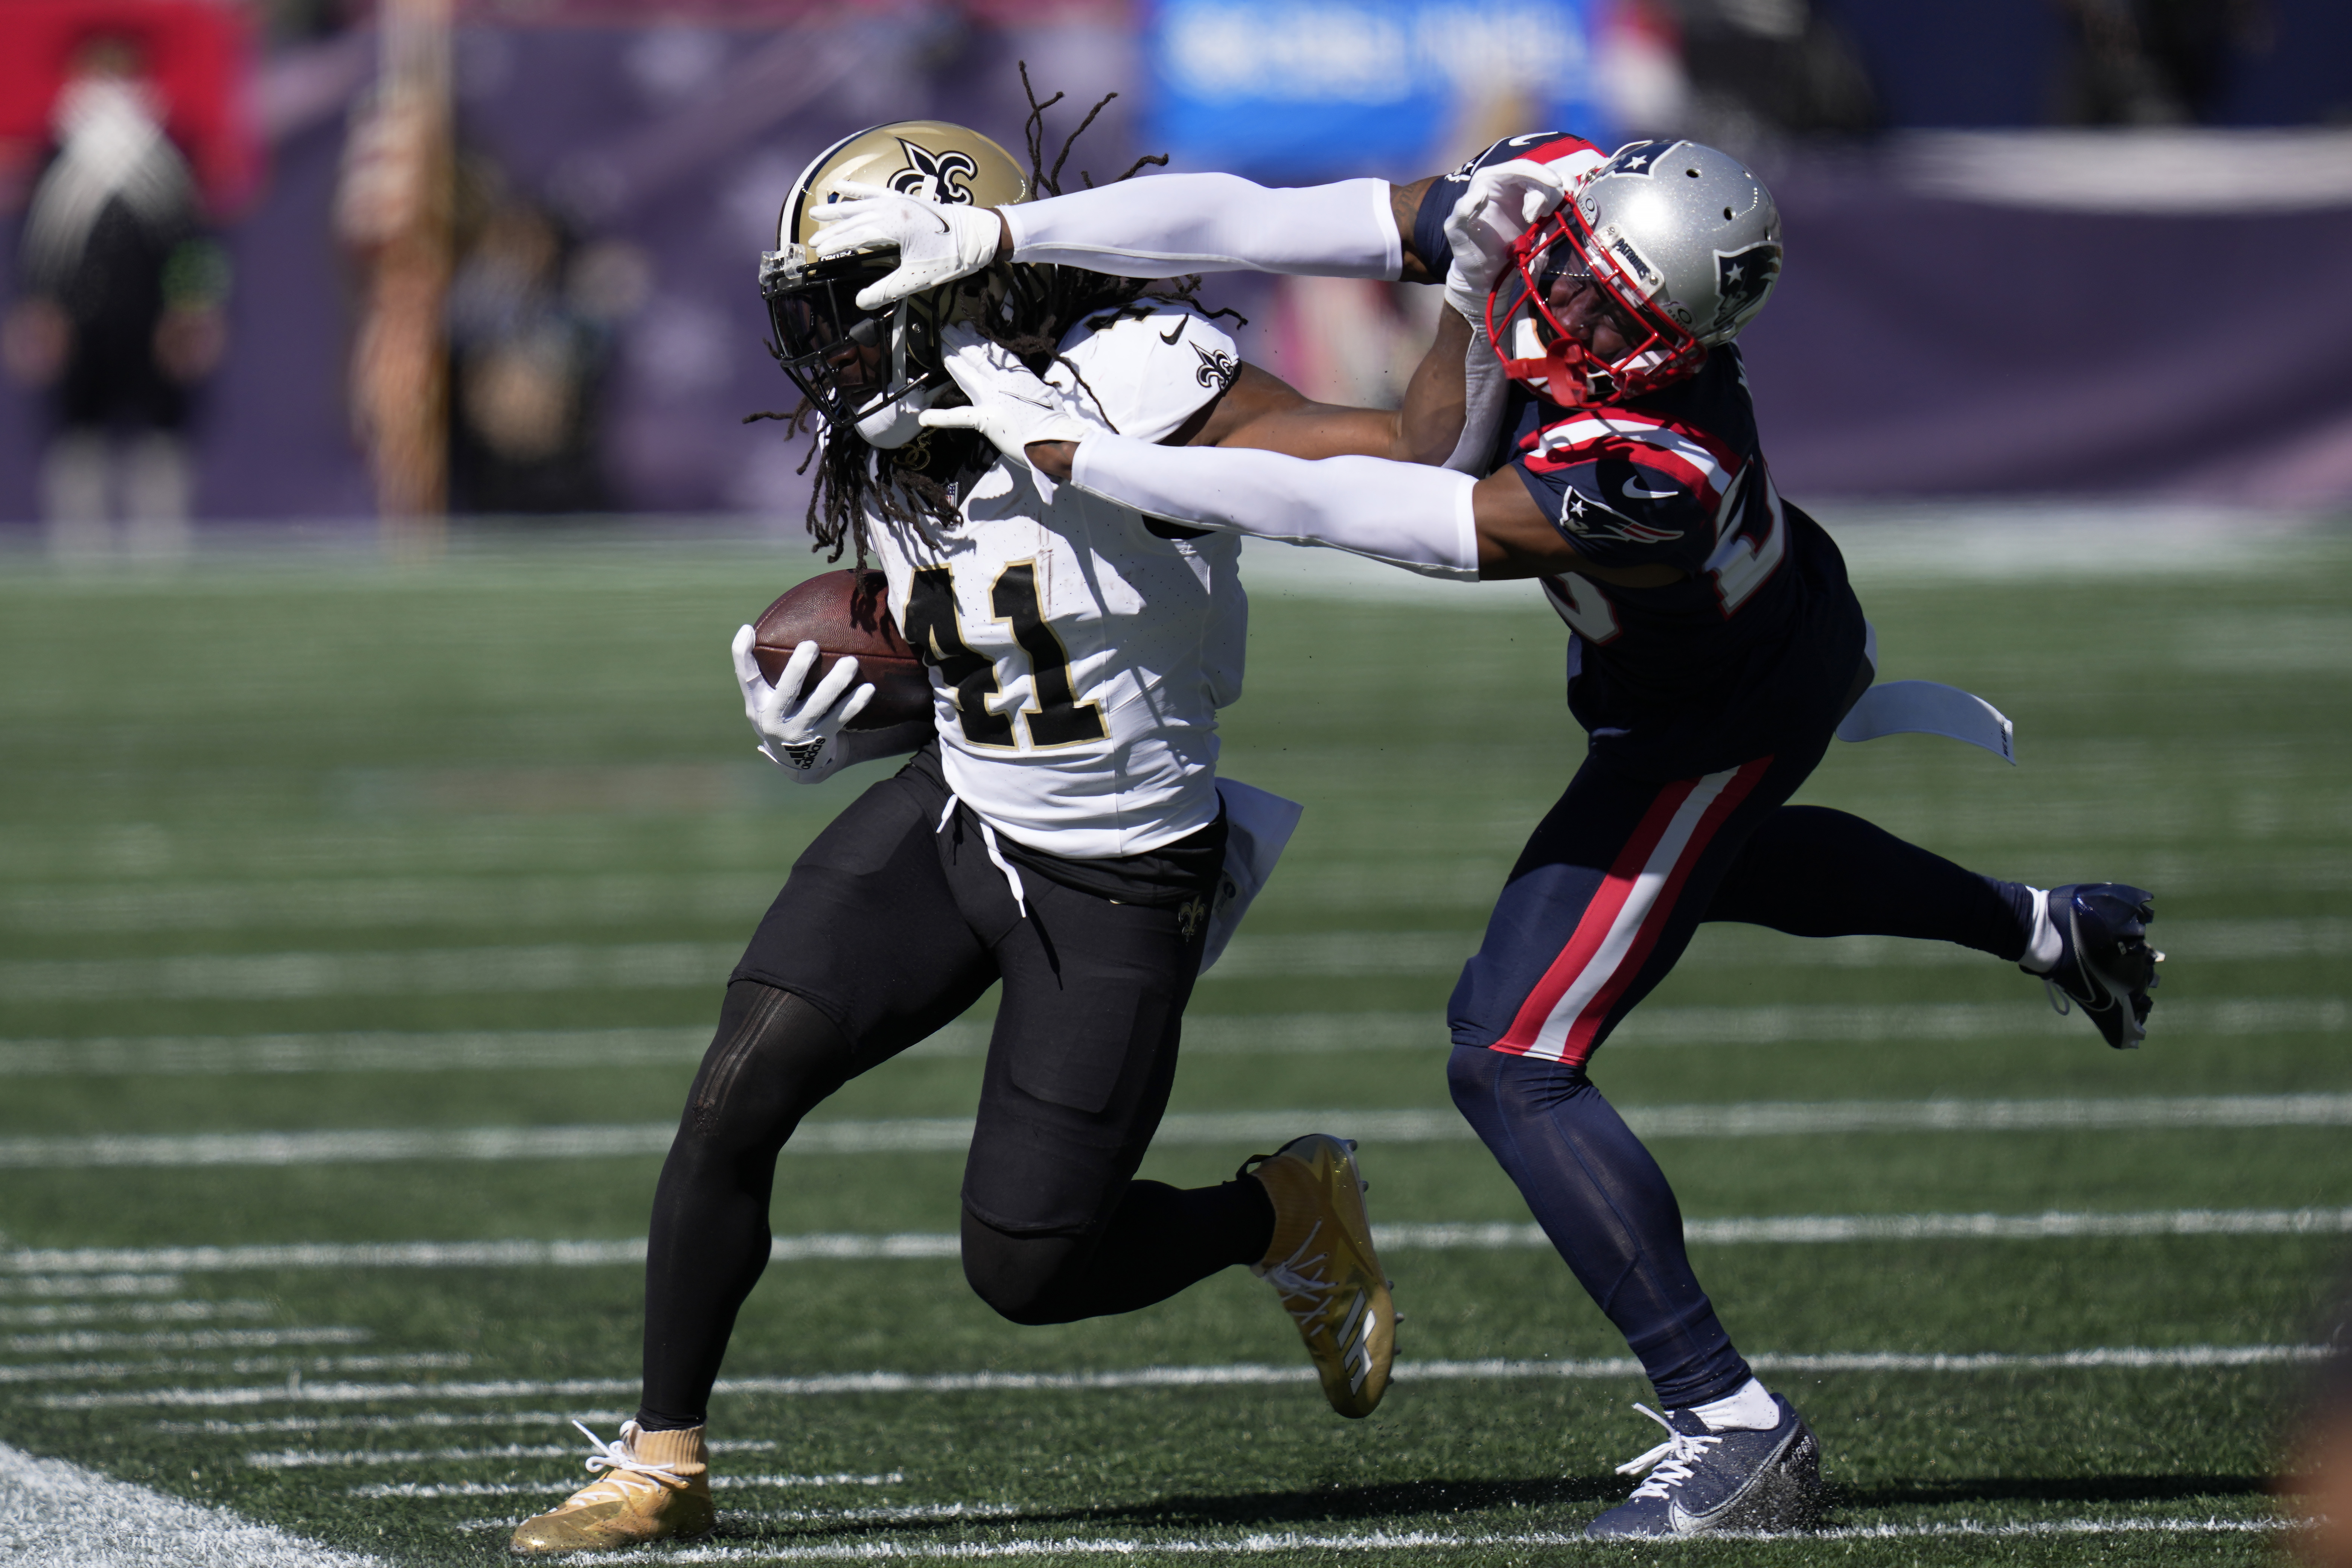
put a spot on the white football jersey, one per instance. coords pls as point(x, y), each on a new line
point(1078, 659)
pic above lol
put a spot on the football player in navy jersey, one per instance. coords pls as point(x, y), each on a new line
point(1607, 447)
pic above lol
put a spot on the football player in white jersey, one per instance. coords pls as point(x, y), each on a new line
point(1059, 830)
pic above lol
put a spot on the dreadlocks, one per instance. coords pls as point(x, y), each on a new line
point(1034, 308)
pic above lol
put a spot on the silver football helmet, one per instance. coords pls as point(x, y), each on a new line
point(1681, 240)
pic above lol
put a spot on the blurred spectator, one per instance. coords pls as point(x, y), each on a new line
point(2154, 62)
point(120, 313)
point(1737, 74)
point(532, 320)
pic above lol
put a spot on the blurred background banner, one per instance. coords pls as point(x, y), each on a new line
point(2089, 248)
point(1290, 91)
point(2065, 313)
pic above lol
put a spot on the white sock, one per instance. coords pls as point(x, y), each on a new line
point(1749, 1408)
point(2041, 945)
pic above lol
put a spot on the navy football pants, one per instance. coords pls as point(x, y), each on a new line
point(1603, 902)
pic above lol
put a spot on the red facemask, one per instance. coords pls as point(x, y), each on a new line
point(1566, 371)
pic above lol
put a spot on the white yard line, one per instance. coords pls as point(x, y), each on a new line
point(346, 1255)
point(56, 1512)
point(84, 1342)
point(304, 1458)
point(1244, 1374)
point(422, 971)
point(912, 1513)
point(1213, 1034)
point(131, 1312)
point(1474, 1236)
point(953, 1135)
point(1282, 1542)
point(45, 1287)
point(430, 1489)
point(295, 1370)
point(365, 901)
point(414, 1420)
point(569, 902)
point(169, 1055)
point(655, 965)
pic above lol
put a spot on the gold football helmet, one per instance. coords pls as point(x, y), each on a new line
point(873, 370)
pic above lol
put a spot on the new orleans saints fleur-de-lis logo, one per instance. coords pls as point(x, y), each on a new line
point(1217, 367)
point(939, 177)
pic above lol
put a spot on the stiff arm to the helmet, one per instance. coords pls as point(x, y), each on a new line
point(1156, 226)
point(862, 368)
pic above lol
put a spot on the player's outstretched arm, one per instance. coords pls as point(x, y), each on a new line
point(1431, 521)
point(1157, 226)
point(1454, 402)
point(1426, 519)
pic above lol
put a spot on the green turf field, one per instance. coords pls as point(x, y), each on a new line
point(354, 914)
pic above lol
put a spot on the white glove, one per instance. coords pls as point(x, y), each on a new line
point(936, 244)
point(1503, 202)
point(1011, 405)
point(797, 739)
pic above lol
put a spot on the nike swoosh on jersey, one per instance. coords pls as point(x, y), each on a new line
point(1634, 494)
point(1176, 332)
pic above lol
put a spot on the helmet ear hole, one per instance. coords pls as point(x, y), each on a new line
point(1727, 214)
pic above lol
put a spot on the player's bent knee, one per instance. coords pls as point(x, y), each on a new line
point(1470, 1075)
point(773, 1057)
point(1021, 1278)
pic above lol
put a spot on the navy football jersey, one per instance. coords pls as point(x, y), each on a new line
point(1760, 641)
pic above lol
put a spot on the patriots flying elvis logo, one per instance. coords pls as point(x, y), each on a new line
point(1588, 518)
point(1743, 278)
point(938, 177)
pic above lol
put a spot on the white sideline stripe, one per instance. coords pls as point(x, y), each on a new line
point(1470, 1236)
point(1211, 1034)
point(430, 1490)
point(952, 1134)
point(106, 1371)
point(1404, 1540)
point(655, 966)
point(56, 1512)
point(1244, 1374)
point(84, 1342)
point(301, 1458)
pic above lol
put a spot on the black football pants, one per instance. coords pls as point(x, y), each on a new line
point(890, 926)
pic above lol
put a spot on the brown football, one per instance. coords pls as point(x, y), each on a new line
point(847, 612)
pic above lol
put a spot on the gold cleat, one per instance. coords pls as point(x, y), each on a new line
point(1322, 1261)
point(659, 1489)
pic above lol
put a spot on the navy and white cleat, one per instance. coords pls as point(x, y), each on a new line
point(1701, 1482)
point(2105, 963)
